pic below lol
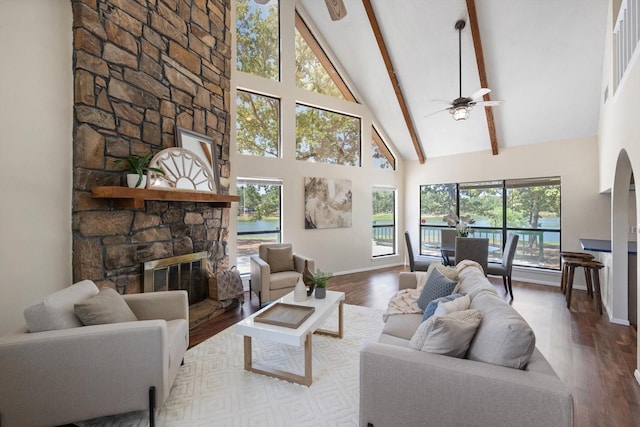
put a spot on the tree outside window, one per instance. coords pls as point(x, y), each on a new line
point(258, 38)
point(326, 137)
point(258, 124)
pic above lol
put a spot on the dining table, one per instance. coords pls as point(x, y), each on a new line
point(448, 251)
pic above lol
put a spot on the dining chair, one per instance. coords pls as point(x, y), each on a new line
point(504, 267)
point(448, 240)
point(414, 265)
point(474, 249)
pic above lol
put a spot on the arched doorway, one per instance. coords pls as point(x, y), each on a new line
point(623, 215)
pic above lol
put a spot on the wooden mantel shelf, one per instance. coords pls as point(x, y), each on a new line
point(126, 197)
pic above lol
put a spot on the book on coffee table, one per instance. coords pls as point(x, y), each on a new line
point(287, 315)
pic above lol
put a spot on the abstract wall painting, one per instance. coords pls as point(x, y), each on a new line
point(327, 203)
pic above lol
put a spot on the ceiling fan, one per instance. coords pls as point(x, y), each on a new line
point(461, 107)
point(336, 8)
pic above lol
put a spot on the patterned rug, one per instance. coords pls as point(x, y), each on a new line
point(213, 389)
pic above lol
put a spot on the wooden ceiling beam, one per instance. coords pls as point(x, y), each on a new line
point(477, 45)
point(394, 80)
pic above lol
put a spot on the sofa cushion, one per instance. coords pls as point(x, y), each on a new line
point(472, 281)
point(504, 338)
point(106, 307)
point(449, 335)
point(437, 286)
point(433, 305)
point(280, 259)
point(448, 307)
point(402, 325)
point(284, 280)
point(56, 310)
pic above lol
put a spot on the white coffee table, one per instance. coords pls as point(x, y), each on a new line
point(295, 337)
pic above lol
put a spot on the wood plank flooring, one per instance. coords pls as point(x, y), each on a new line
point(595, 358)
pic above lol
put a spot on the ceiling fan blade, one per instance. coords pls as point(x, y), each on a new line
point(480, 93)
point(337, 10)
point(436, 112)
point(488, 103)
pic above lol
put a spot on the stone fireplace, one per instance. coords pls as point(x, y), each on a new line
point(141, 68)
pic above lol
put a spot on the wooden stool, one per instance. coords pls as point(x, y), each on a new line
point(564, 255)
point(592, 270)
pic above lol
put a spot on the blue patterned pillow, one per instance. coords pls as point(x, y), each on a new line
point(433, 305)
point(437, 286)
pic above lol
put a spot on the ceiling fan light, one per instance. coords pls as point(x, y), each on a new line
point(460, 113)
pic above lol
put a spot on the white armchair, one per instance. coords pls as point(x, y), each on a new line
point(67, 375)
point(276, 270)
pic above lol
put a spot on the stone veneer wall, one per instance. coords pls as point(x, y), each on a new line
point(141, 67)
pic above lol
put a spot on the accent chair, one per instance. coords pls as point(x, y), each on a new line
point(276, 270)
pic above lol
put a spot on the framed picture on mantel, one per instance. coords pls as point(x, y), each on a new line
point(202, 146)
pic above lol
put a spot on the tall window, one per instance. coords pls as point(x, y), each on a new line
point(326, 137)
point(258, 217)
point(384, 221)
point(258, 124)
point(527, 207)
point(258, 38)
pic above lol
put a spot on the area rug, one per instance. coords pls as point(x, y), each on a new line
point(213, 389)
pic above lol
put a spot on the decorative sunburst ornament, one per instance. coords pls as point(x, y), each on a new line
point(183, 170)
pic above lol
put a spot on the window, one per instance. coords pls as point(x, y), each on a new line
point(258, 38)
point(314, 70)
point(326, 137)
point(382, 157)
point(533, 212)
point(527, 207)
point(258, 124)
point(384, 221)
point(310, 74)
point(258, 217)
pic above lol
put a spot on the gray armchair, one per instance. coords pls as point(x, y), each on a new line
point(506, 265)
point(276, 270)
point(72, 373)
point(474, 249)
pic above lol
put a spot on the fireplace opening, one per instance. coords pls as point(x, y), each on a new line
point(185, 272)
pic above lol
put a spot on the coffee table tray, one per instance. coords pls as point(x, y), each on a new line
point(287, 315)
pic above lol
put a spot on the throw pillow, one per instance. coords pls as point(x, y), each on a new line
point(504, 338)
point(106, 307)
point(437, 286)
point(449, 335)
point(280, 259)
point(56, 310)
point(433, 305)
point(449, 272)
point(448, 307)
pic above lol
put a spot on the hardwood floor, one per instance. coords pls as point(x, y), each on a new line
point(595, 358)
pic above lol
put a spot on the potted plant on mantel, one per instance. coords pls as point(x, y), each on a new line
point(320, 280)
point(136, 166)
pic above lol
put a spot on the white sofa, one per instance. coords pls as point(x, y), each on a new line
point(400, 386)
point(74, 373)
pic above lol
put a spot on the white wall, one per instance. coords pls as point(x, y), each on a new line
point(340, 250)
point(36, 102)
point(585, 212)
point(619, 138)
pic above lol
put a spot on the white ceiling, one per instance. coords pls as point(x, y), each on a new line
point(542, 57)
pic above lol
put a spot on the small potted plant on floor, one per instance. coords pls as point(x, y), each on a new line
point(136, 166)
point(320, 280)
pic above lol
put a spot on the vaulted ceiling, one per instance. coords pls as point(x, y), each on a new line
point(542, 57)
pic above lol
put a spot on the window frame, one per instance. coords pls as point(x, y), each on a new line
point(505, 229)
point(394, 225)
